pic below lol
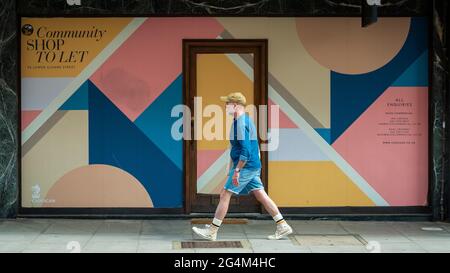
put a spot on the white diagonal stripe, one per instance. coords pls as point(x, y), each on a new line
point(242, 65)
point(216, 167)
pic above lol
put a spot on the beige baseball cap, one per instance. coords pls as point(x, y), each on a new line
point(235, 97)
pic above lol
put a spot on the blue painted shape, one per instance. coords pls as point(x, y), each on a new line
point(156, 122)
point(115, 140)
point(324, 133)
point(78, 100)
point(351, 95)
point(416, 74)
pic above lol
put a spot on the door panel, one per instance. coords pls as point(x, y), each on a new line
point(214, 72)
point(213, 68)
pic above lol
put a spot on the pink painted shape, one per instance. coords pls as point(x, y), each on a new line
point(28, 117)
point(398, 172)
point(205, 158)
point(284, 120)
point(144, 65)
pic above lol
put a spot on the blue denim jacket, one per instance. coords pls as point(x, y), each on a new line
point(244, 143)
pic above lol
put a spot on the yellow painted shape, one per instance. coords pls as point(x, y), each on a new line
point(312, 184)
point(45, 54)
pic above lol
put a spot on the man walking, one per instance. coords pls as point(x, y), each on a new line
point(244, 173)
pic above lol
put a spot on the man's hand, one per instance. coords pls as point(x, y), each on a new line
point(236, 178)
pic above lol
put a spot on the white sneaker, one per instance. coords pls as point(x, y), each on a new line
point(282, 231)
point(208, 233)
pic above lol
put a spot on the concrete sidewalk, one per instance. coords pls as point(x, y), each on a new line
point(62, 235)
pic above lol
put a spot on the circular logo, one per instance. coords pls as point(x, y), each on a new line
point(27, 29)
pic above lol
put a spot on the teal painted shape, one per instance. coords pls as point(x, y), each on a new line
point(79, 100)
point(324, 133)
point(416, 74)
point(156, 122)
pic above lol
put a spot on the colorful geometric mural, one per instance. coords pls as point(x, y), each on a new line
point(96, 131)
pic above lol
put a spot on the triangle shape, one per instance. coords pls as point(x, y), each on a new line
point(284, 121)
point(156, 122)
point(325, 133)
point(78, 100)
point(27, 117)
point(205, 159)
point(416, 74)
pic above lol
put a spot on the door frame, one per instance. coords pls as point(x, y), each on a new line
point(195, 46)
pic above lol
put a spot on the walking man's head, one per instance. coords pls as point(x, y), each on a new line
point(235, 103)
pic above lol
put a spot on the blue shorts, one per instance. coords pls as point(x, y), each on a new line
point(249, 180)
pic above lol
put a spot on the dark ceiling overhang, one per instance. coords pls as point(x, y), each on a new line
point(282, 8)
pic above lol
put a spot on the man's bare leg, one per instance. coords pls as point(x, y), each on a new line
point(210, 232)
point(283, 229)
point(267, 202)
point(224, 203)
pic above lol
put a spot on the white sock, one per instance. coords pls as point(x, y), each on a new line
point(278, 218)
point(216, 222)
